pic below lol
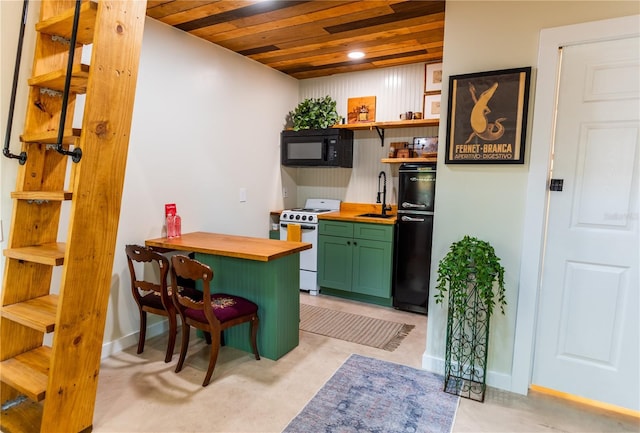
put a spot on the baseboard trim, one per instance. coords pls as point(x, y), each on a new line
point(115, 346)
point(494, 379)
point(586, 401)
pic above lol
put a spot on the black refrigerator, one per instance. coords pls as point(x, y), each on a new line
point(412, 261)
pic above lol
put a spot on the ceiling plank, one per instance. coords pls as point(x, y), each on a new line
point(308, 39)
point(163, 9)
point(424, 37)
point(305, 14)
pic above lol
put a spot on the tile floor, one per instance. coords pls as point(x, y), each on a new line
point(140, 393)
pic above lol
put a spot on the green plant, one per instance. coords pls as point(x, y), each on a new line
point(315, 113)
point(470, 261)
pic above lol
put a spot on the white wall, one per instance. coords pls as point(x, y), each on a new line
point(488, 201)
point(206, 123)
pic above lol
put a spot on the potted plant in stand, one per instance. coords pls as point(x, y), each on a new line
point(315, 113)
point(473, 278)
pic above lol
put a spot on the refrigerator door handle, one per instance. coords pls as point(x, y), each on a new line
point(407, 205)
point(412, 219)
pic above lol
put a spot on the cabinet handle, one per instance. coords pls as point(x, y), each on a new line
point(348, 242)
point(355, 243)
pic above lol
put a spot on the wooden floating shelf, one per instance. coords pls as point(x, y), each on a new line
point(403, 160)
point(390, 124)
point(61, 25)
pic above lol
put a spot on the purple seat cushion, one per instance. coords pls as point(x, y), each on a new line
point(225, 307)
point(153, 300)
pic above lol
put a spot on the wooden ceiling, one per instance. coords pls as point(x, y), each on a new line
point(307, 39)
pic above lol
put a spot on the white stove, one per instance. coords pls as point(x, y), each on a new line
point(307, 219)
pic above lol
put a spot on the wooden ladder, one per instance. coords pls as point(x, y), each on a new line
point(60, 381)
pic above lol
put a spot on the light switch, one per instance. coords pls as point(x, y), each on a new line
point(243, 195)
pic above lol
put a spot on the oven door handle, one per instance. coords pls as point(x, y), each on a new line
point(303, 227)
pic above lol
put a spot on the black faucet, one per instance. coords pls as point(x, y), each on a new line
point(385, 208)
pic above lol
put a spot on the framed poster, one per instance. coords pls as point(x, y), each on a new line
point(431, 107)
point(432, 77)
point(362, 109)
point(487, 117)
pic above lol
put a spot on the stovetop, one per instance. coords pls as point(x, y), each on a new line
point(312, 208)
point(309, 210)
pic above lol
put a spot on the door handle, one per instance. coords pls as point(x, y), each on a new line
point(410, 219)
point(407, 205)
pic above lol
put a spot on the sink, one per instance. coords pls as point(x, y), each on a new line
point(375, 215)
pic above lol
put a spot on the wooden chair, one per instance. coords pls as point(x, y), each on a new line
point(211, 313)
point(152, 297)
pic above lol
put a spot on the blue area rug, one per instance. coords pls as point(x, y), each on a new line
point(370, 395)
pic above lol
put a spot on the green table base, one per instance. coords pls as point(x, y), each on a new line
point(275, 287)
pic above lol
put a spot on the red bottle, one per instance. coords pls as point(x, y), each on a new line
point(177, 226)
point(171, 226)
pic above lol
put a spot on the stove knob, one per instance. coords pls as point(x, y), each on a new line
point(284, 216)
point(291, 216)
point(297, 217)
point(310, 218)
point(304, 217)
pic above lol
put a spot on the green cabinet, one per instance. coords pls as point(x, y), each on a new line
point(355, 260)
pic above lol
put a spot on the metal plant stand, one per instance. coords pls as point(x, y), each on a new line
point(467, 344)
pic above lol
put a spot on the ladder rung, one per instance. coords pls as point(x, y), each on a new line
point(42, 195)
point(55, 80)
point(48, 254)
point(62, 24)
point(70, 136)
point(22, 415)
point(38, 313)
point(28, 372)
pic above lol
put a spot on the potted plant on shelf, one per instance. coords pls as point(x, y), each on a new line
point(315, 113)
point(472, 276)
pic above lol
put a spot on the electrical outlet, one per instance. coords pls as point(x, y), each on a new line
point(243, 195)
point(285, 193)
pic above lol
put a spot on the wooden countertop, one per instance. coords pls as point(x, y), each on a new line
point(350, 211)
point(241, 247)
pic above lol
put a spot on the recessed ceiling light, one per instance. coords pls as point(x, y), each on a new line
point(355, 55)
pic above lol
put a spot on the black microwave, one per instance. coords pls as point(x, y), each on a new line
point(331, 147)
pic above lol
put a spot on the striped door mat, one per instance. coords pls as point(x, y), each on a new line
point(368, 331)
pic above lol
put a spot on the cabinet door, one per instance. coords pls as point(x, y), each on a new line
point(374, 232)
point(372, 263)
point(335, 262)
point(336, 228)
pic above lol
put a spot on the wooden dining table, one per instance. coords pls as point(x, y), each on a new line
point(265, 271)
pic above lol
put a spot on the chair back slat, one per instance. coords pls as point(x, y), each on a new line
point(147, 286)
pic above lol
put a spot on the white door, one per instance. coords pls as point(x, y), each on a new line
point(587, 338)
